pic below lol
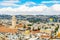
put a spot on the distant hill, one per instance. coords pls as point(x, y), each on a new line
point(31, 18)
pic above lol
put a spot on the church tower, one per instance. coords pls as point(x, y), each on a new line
point(13, 21)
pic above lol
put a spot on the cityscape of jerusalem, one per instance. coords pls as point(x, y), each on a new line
point(29, 27)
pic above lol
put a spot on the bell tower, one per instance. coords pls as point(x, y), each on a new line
point(13, 21)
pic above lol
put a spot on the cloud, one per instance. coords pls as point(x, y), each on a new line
point(56, 7)
point(9, 3)
point(23, 9)
point(30, 3)
point(53, 10)
point(56, 2)
point(11, 0)
point(35, 10)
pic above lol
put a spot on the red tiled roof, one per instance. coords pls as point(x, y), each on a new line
point(33, 32)
point(4, 29)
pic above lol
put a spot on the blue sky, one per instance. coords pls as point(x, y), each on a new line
point(30, 7)
point(38, 2)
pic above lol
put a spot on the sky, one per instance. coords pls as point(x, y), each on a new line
point(30, 7)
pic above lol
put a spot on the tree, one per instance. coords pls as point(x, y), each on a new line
point(38, 28)
point(46, 27)
point(24, 26)
point(29, 24)
point(56, 29)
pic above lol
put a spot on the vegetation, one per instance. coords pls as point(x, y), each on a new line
point(29, 24)
point(24, 26)
point(34, 20)
point(38, 28)
point(46, 27)
point(56, 29)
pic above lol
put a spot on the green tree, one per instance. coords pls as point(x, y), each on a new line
point(24, 26)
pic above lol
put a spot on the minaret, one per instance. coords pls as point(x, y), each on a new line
point(13, 21)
